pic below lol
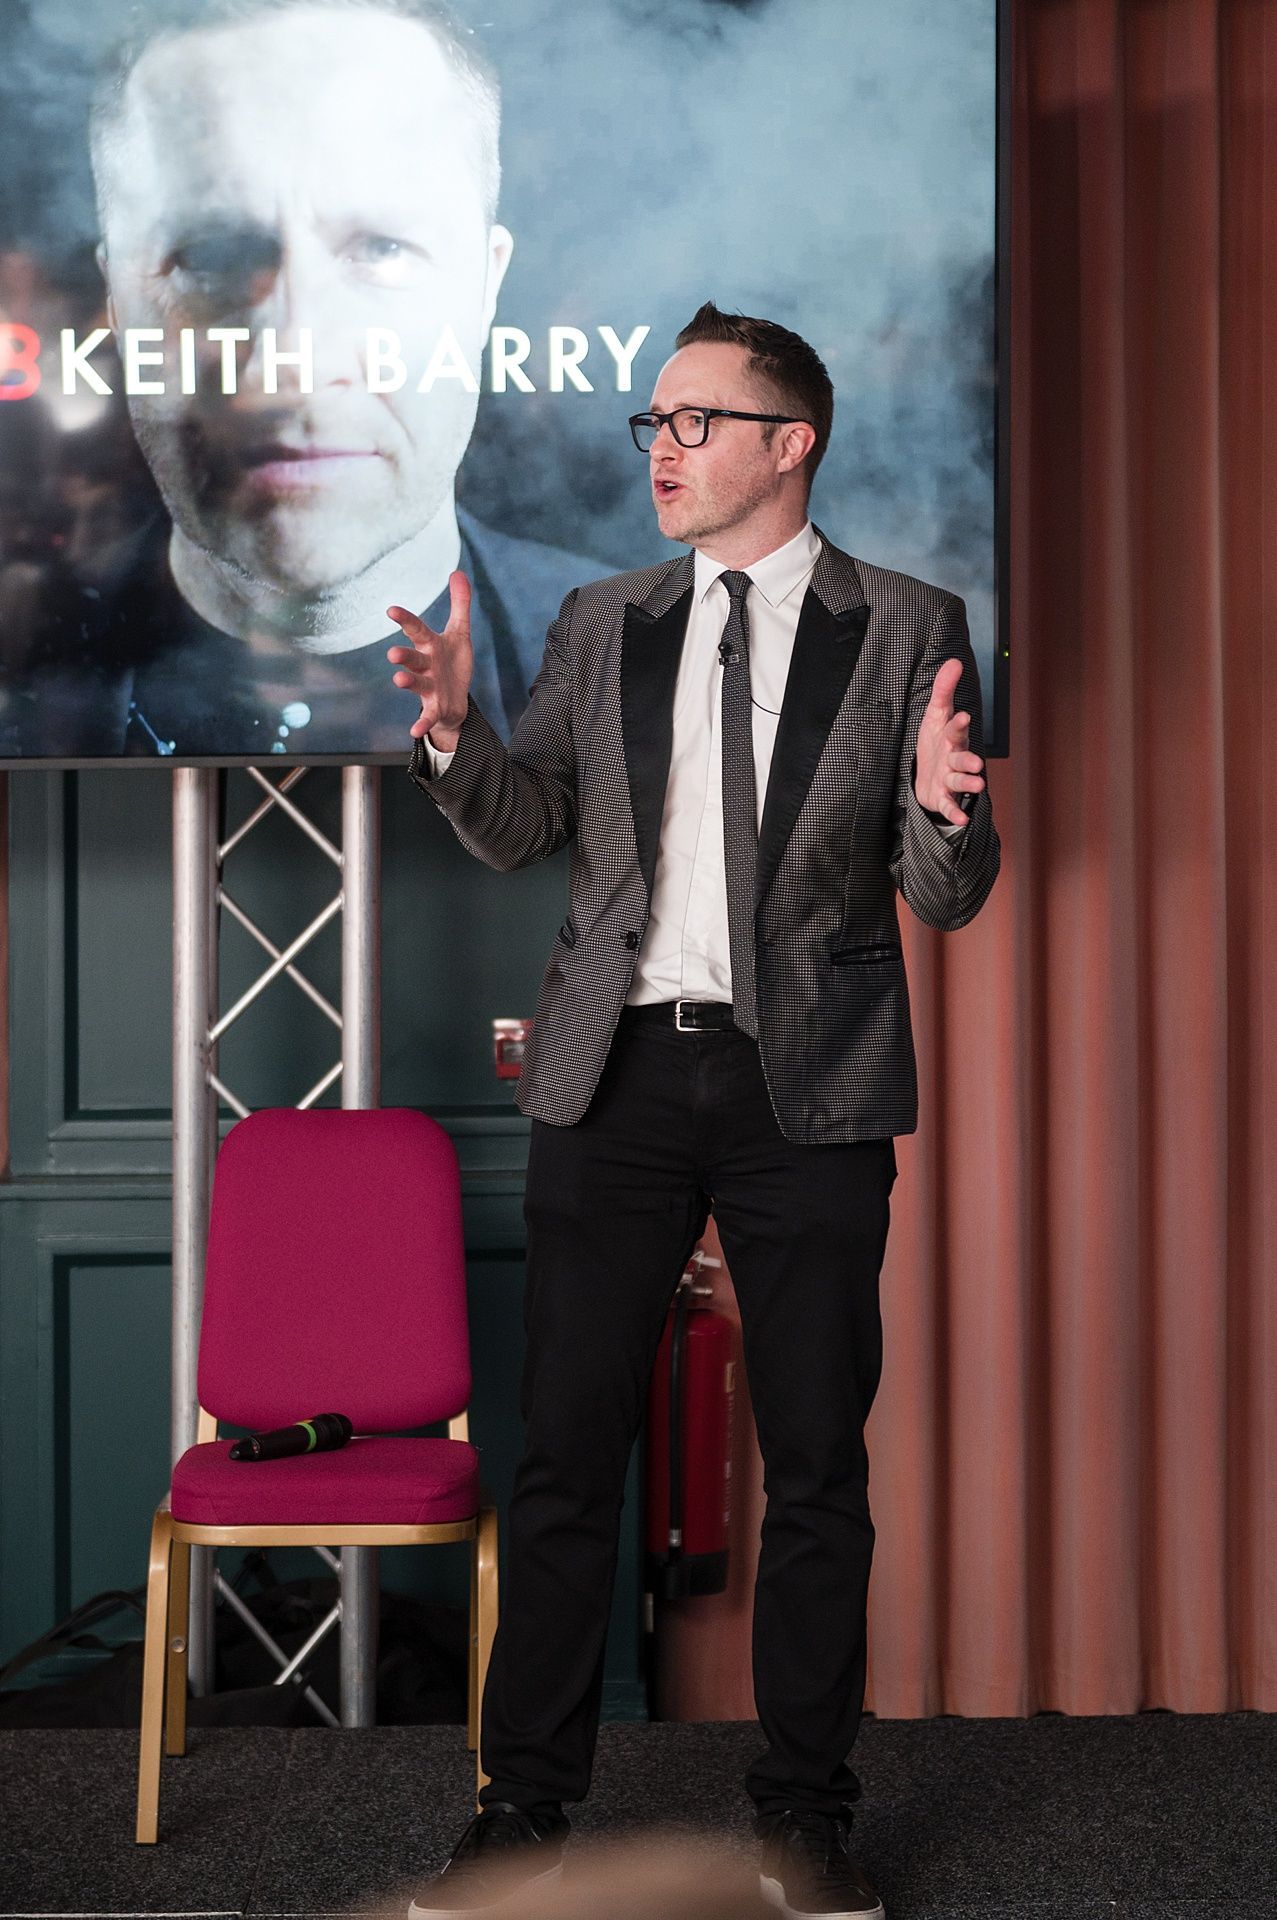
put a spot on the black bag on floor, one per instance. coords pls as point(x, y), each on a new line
point(421, 1648)
point(421, 1663)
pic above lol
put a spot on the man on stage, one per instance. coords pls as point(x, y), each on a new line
point(751, 749)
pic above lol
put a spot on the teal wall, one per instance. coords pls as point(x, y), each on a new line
point(85, 1216)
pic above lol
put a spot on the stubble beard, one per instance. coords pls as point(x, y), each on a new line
point(300, 554)
point(295, 554)
point(717, 517)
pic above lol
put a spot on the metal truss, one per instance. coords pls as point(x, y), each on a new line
point(289, 1670)
point(200, 893)
point(281, 962)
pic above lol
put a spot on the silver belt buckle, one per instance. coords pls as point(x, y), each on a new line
point(678, 1016)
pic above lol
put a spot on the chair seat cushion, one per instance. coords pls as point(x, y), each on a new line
point(375, 1480)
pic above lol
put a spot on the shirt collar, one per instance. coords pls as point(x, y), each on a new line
point(776, 575)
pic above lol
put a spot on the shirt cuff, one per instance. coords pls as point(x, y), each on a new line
point(439, 762)
point(950, 828)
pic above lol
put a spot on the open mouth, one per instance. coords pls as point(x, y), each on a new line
point(666, 489)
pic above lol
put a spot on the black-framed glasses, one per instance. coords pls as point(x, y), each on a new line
point(690, 425)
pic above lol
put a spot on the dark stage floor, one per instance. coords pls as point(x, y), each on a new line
point(1155, 1817)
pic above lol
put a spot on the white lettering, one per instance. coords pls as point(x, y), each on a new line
point(385, 366)
point(508, 348)
point(228, 336)
point(75, 360)
point(273, 360)
point(448, 362)
point(568, 347)
point(623, 355)
point(135, 358)
point(386, 370)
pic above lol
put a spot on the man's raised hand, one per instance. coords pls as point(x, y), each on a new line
point(945, 764)
point(437, 666)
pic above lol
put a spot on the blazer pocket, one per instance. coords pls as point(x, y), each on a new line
point(873, 954)
point(873, 739)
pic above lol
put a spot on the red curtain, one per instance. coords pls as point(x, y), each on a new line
point(1074, 1450)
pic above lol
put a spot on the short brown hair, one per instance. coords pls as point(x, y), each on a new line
point(164, 20)
point(793, 373)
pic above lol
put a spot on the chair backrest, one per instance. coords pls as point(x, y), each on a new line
point(336, 1272)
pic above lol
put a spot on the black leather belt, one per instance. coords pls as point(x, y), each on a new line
point(685, 1016)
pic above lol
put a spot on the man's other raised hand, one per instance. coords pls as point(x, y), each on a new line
point(437, 666)
point(945, 764)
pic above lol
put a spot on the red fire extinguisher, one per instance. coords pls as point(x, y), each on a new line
point(689, 1459)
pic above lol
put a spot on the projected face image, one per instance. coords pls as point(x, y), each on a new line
point(203, 533)
point(309, 169)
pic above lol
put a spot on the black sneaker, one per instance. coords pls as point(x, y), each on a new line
point(808, 1869)
point(501, 1852)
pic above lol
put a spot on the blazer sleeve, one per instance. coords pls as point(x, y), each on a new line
point(945, 880)
point(512, 806)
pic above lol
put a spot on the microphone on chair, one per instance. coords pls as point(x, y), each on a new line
point(318, 1435)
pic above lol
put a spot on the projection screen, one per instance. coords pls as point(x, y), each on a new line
point(305, 302)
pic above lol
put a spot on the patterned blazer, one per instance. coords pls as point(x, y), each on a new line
point(842, 832)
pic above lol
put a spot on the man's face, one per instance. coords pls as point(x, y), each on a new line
point(702, 491)
point(316, 169)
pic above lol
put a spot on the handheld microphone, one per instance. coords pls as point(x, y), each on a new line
point(318, 1435)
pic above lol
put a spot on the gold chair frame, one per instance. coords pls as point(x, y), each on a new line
point(164, 1664)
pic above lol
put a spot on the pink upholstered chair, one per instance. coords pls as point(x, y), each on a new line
point(335, 1284)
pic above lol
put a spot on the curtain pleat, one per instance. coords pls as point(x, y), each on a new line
point(1074, 1449)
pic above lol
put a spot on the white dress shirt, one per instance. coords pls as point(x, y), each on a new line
point(685, 952)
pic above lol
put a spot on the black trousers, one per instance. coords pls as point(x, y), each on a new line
point(614, 1206)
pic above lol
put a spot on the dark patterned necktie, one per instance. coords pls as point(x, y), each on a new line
point(740, 801)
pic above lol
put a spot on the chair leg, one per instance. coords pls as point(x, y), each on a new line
point(154, 1660)
point(177, 1641)
point(472, 1680)
point(486, 1598)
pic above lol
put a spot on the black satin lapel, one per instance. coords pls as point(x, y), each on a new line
point(826, 649)
point(651, 647)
